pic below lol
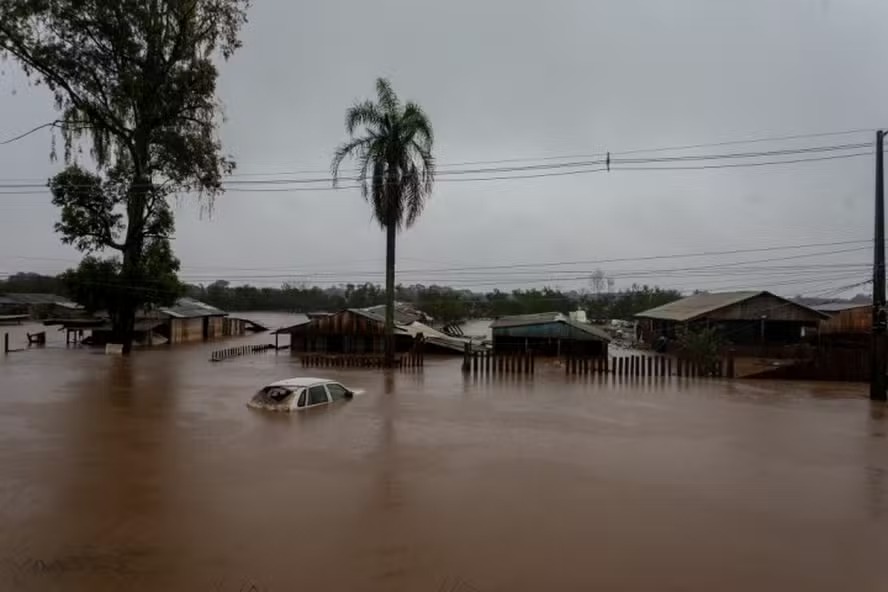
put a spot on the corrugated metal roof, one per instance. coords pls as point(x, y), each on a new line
point(590, 329)
point(404, 313)
point(697, 305)
point(545, 318)
point(528, 319)
point(189, 308)
point(840, 306)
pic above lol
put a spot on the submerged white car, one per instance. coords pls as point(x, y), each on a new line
point(295, 394)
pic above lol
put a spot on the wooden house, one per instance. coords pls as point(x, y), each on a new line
point(752, 318)
point(362, 331)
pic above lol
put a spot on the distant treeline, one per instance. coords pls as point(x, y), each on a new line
point(442, 303)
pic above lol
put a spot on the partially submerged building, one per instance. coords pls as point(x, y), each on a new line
point(39, 306)
point(186, 321)
point(362, 331)
point(742, 318)
point(548, 334)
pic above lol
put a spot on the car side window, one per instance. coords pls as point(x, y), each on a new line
point(337, 391)
point(317, 395)
point(301, 402)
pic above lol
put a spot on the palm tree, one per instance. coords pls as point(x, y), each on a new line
point(392, 144)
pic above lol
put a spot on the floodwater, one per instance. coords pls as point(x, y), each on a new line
point(150, 473)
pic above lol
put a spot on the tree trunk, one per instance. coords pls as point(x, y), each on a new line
point(128, 304)
point(131, 272)
point(390, 233)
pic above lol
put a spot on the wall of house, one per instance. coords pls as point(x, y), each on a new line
point(232, 327)
point(852, 321)
point(346, 344)
point(186, 330)
point(215, 327)
point(548, 346)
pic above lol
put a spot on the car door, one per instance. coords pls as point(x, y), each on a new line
point(337, 391)
point(317, 395)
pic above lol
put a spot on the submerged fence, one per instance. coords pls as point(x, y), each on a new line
point(412, 359)
point(492, 363)
point(649, 366)
point(243, 350)
point(499, 363)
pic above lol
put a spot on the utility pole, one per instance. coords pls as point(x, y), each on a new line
point(877, 361)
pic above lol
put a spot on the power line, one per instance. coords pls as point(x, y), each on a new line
point(578, 274)
point(744, 165)
point(603, 154)
point(583, 167)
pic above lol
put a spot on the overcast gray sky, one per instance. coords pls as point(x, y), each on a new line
point(507, 79)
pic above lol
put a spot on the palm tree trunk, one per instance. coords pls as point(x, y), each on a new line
point(389, 360)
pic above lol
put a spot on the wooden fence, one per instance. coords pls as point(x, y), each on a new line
point(491, 363)
point(243, 350)
point(647, 366)
point(413, 359)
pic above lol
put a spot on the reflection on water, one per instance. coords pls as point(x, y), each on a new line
point(150, 473)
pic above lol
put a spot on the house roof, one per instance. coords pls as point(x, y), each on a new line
point(840, 306)
point(25, 298)
point(404, 313)
point(527, 319)
point(545, 318)
point(699, 305)
point(189, 308)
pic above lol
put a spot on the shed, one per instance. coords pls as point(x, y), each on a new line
point(548, 333)
point(743, 318)
point(192, 320)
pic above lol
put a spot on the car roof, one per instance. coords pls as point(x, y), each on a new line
point(301, 381)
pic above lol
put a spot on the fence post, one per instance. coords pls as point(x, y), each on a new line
point(466, 351)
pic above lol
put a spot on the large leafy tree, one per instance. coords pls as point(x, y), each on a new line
point(92, 220)
point(135, 81)
point(392, 144)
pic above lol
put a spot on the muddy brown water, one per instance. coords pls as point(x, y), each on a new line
point(149, 473)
